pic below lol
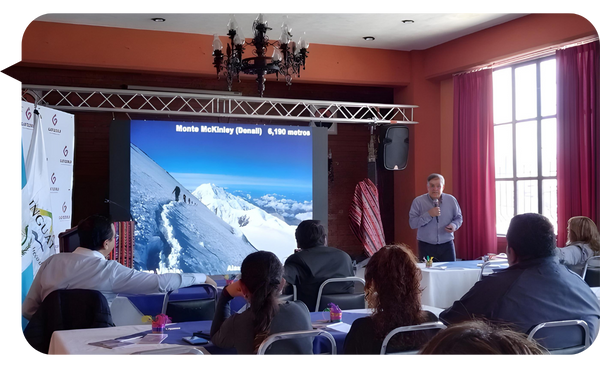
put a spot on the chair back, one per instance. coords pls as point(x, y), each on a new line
point(591, 271)
point(264, 346)
point(200, 306)
point(483, 266)
point(67, 310)
point(421, 327)
point(564, 329)
point(290, 297)
point(344, 301)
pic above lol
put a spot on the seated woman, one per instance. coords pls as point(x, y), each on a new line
point(479, 337)
point(583, 242)
point(392, 290)
point(261, 282)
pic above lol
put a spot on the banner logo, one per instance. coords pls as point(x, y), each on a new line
point(54, 119)
point(64, 207)
point(28, 113)
point(66, 151)
point(53, 178)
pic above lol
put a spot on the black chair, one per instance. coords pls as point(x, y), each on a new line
point(289, 297)
point(344, 301)
point(67, 310)
point(591, 271)
point(193, 308)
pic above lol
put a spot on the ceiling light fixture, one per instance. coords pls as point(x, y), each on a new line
point(159, 19)
point(287, 58)
point(408, 21)
point(369, 38)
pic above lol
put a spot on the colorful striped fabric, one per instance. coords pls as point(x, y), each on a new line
point(124, 240)
point(365, 218)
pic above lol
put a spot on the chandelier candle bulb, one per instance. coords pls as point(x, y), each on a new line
point(232, 25)
point(217, 44)
point(287, 58)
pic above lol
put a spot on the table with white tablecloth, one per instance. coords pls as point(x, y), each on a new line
point(446, 282)
point(77, 341)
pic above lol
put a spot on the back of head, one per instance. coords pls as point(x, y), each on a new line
point(310, 234)
point(583, 229)
point(392, 288)
point(262, 275)
point(479, 337)
point(93, 231)
point(531, 236)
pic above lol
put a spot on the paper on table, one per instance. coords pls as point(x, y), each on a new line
point(110, 344)
point(153, 339)
point(338, 326)
point(342, 327)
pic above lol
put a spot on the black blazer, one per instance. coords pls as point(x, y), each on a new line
point(308, 268)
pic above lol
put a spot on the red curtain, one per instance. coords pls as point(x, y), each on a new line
point(473, 164)
point(577, 124)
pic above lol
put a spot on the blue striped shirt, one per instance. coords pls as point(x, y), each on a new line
point(431, 230)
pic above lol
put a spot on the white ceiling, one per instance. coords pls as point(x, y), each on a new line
point(390, 32)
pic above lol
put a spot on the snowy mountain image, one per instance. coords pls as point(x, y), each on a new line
point(205, 195)
point(175, 232)
point(265, 231)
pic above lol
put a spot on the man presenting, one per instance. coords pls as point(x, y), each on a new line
point(436, 217)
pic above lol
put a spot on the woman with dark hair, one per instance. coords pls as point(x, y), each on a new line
point(392, 281)
point(260, 284)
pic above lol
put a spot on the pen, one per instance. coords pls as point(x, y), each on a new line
point(172, 328)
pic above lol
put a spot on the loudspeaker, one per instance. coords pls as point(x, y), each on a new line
point(395, 147)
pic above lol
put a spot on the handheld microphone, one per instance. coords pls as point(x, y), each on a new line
point(436, 203)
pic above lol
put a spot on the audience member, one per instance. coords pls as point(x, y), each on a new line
point(315, 262)
point(479, 337)
point(87, 268)
point(535, 288)
point(261, 283)
point(392, 290)
point(583, 242)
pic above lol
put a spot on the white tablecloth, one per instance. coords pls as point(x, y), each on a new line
point(76, 341)
point(442, 287)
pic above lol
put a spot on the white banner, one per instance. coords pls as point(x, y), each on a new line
point(47, 140)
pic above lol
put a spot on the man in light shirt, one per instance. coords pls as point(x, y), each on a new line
point(87, 268)
point(436, 216)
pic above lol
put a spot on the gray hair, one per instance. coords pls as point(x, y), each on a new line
point(436, 176)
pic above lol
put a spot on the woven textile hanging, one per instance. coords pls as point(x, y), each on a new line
point(365, 218)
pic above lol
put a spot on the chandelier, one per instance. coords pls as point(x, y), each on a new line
point(287, 58)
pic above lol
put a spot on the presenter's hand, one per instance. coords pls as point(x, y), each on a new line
point(234, 289)
point(450, 228)
point(434, 211)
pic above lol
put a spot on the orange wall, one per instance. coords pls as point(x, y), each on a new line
point(123, 49)
point(432, 89)
point(516, 37)
point(423, 78)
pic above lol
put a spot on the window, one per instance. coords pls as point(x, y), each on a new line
point(525, 140)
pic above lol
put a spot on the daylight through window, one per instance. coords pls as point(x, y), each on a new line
point(525, 140)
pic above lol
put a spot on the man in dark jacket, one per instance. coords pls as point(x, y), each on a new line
point(535, 288)
point(315, 262)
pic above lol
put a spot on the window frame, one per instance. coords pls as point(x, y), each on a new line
point(538, 118)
